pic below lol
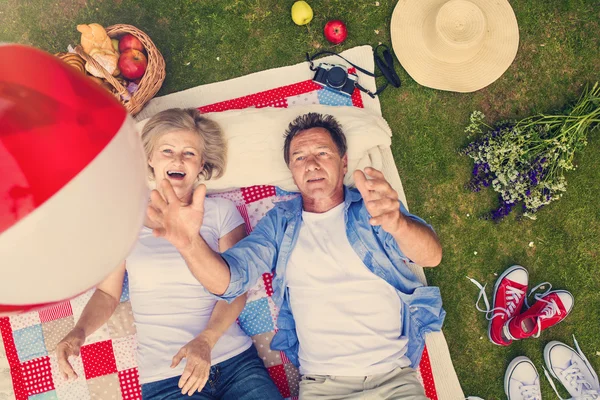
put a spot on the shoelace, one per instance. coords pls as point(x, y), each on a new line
point(539, 295)
point(513, 296)
point(549, 311)
point(530, 392)
point(575, 378)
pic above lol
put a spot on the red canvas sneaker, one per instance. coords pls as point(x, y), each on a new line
point(509, 295)
point(549, 309)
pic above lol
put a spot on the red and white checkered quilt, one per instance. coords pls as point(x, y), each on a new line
point(107, 366)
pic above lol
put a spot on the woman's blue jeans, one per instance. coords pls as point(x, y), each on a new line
point(243, 377)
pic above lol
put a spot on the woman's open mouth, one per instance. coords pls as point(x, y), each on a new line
point(176, 175)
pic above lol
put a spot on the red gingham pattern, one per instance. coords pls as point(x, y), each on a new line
point(98, 359)
point(258, 98)
point(37, 376)
point(427, 375)
point(255, 193)
point(244, 213)
point(58, 311)
point(268, 279)
point(130, 384)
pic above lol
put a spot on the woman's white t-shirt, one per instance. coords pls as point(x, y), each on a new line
point(170, 306)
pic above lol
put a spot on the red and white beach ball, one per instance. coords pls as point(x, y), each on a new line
point(72, 181)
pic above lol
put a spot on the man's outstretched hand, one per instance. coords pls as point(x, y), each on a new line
point(380, 199)
point(176, 221)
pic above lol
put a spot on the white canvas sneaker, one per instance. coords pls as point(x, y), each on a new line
point(572, 369)
point(521, 380)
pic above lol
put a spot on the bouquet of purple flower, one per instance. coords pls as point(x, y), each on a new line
point(525, 161)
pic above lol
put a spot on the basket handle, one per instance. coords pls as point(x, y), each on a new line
point(111, 79)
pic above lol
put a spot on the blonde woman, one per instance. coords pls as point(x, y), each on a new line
point(188, 341)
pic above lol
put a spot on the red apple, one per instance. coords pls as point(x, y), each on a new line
point(129, 41)
point(132, 64)
point(335, 31)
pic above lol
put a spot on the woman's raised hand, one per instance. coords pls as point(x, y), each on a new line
point(176, 221)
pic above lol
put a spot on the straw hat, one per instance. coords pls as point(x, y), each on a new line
point(455, 45)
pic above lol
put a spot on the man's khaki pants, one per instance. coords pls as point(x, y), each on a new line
point(400, 383)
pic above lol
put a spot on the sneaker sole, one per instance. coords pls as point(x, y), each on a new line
point(511, 367)
point(504, 274)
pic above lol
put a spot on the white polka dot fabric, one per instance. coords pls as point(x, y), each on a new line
point(124, 349)
point(25, 320)
point(303, 99)
point(73, 389)
point(100, 335)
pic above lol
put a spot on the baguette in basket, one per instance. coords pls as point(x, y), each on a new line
point(96, 43)
point(144, 88)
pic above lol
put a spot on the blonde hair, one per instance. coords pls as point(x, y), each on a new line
point(214, 145)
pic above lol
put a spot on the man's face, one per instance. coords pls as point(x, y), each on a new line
point(317, 168)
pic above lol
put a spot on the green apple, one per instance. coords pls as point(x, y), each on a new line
point(302, 14)
point(115, 43)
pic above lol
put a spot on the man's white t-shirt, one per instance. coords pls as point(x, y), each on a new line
point(348, 319)
point(170, 306)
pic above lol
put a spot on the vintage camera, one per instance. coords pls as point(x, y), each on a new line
point(336, 77)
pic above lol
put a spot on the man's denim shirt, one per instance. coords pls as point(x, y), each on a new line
point(268, 249)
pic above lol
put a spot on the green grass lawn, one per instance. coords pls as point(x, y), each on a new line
point(559, 53)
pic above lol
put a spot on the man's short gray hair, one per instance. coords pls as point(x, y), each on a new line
point(315, 120)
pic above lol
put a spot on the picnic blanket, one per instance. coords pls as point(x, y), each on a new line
point(107, 366)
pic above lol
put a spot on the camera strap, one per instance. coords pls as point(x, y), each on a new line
point(385, 64)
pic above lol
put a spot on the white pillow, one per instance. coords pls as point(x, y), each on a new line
point(255, 143)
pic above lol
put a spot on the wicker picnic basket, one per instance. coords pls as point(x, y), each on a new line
point(150, 82)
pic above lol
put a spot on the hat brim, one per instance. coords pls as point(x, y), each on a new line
point(499, 46)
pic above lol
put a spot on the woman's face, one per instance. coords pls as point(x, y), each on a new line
point(177, 157)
